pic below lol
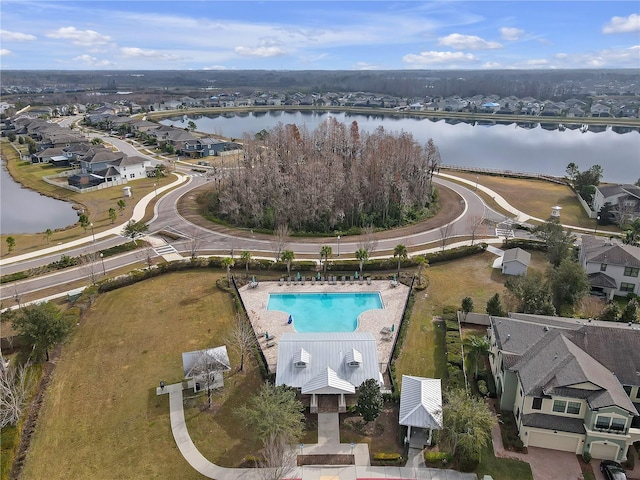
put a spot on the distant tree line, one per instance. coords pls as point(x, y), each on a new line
point(334, 178)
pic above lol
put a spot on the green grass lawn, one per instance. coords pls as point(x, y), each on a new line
point(502, 468)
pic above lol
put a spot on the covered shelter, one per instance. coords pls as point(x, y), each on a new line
point(204, 368)
point(420, 408)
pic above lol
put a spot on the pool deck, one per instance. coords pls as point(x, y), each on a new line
point(275, 321)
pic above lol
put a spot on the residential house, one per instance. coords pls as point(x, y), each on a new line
point(176, 137)
point(624, 200)
point(600, 110)
point(515, 261)
point(204, 147)
point(612, 267)
point(333, 364)
point(571, 385)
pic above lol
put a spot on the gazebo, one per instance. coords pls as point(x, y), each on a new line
point(203, 368)
point(421, 406)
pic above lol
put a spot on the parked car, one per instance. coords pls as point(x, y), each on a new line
point(612, 470)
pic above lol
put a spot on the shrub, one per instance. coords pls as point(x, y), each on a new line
point(456, 377)
point(452, 326)
point(630, 462)
point(12, 277)
point(586, 457)
point(482, 388)
point(449, 309)
point(387, 457)
point(455, 359)
point(437, 457)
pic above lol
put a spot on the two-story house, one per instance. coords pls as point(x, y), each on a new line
point(612, 267)
point(204, 147)
point(568, 388)
point(624, 201)
point(571, 386)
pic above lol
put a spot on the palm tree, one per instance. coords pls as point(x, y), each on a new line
point(227, 263)
point(632, 232)
point(362, 255)
point(121, 205)
point(477, 347)
point(325, 252)
point(112, 214)
point(47, 234)
point(288, 256)
point(422, 262)
point(246, 256)
point(400, 251)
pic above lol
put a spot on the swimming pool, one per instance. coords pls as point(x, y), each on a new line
point(324, 312)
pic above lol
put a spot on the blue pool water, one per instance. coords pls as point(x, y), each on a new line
point(324, 312)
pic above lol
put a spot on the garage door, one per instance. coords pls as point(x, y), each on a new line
point(604, 451)
point(554, 441)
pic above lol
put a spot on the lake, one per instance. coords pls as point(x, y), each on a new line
point(503, 147)
point(26, 211)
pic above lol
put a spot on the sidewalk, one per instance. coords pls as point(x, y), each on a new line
point(328, 443)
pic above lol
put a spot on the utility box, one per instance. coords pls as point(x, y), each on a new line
point(126, 192)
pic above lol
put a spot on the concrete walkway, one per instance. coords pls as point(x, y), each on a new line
point(328, 443)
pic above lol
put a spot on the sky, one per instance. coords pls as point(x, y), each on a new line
point(311, 35)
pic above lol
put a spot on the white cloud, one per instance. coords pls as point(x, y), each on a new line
point(88, 60)
point(135, 52)
point(8, 36)
point(467, 42)
point(85, 38)
point(264, 51)
point(367, 66)
point(537, 62)
point(216, 67)
point(4, 51)
point(511, 34)
point(438, 58)
point(623, 24)
point(491, 65)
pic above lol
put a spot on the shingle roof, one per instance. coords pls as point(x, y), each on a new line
point(516, 254)
point(602, 250)
point(421, 402)
point(553, 422)
point(599, 279)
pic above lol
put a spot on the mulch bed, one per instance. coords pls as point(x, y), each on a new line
point(326, 460)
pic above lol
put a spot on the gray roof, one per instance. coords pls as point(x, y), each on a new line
point(600, 279)
point(517, 255)
point(605, 250)
point(555, 364)
point(212, 359)
point(421, 402)
point(553, 422)
point(611, 190)
point(517, 336)
point(329, 355)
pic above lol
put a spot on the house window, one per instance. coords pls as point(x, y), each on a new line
point(627, 389)
point(559, 406)
point(537, 403)
point(603, 267)
point(627, 287)
point(631, 271)
point(618, 424)
point(603, 423)
point(573, 408)
point(132, 175)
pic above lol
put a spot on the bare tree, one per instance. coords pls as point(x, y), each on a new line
point(242, 338)
point(196, 239)
point(474, 223)
point(279, 458)
point(279, 242)
point(90, 266)
point(147, 254)
point(369, 242)
point(15, 384)
point(208, 369)
point(446, 231)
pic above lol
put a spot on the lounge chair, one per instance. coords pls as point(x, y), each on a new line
point(270, 344)
point(368, 280)
point(351, 279)
point(303, 279)
point(269, 338)
point(394, 283)
point(343, 279)
point(288, 281)
point(385, 331)
point(313, 280)
point(253, 284)
point(360, 280)
point(321, 280)
point(281, 281)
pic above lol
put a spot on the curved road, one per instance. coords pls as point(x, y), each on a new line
point(167, 218)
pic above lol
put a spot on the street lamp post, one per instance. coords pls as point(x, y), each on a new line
point(476, 183)
point(155, 184)
point(338, 245)
point(92, 232)
point(102, 260)
point(597, 221)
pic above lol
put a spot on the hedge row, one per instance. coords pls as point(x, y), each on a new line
point(526, 244)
